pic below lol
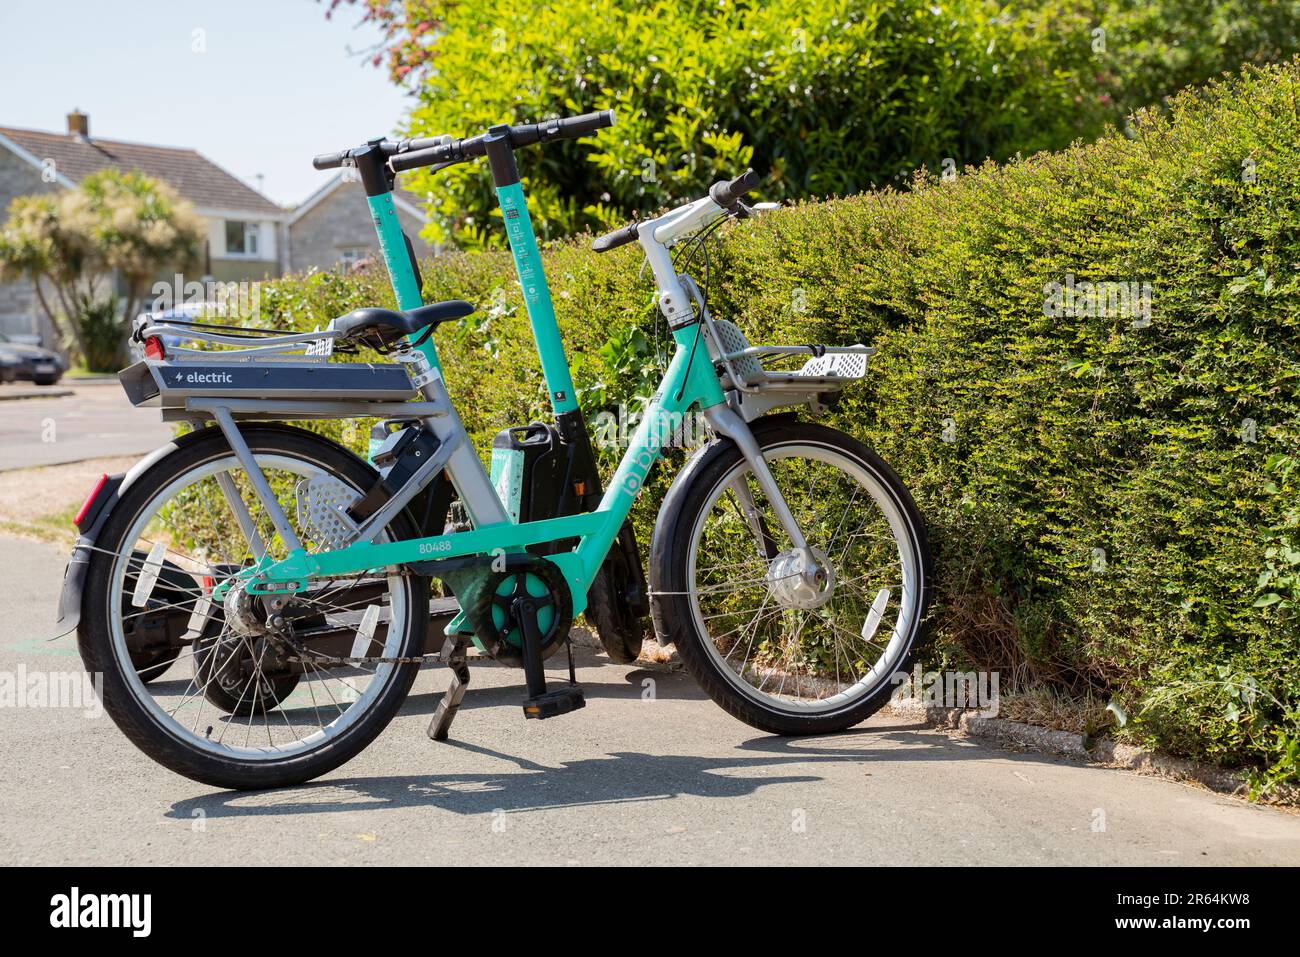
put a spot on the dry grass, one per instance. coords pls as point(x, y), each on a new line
point(1049, 708)
point(988, 637)
point(40, 503)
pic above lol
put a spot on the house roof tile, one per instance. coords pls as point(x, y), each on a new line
point(194, 176)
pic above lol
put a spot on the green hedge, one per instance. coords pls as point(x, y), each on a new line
point(1111, 498)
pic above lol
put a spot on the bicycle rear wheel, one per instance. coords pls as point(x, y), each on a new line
point(248, 702)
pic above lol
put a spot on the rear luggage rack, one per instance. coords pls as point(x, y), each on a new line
point(250, 343)
point(264, 364)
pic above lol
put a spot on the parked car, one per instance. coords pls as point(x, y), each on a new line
point(8, 367)
point(33, 363)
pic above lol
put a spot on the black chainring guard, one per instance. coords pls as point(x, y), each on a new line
point(474, 581)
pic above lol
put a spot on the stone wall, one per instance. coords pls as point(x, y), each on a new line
point(339, 222)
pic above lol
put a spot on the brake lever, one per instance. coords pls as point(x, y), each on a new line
point(749, 212)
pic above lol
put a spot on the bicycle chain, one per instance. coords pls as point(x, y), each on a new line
point(375, 660)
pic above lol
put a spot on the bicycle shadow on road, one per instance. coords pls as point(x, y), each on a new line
point(614, 778)
point(668, 686)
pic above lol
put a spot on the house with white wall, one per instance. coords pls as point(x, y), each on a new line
point(249, 237)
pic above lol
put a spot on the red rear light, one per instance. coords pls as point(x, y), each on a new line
point(90, 500)
point(154, 349)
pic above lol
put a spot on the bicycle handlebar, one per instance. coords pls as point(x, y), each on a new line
point(726, 193)
point(458, 151)
point(619, 237)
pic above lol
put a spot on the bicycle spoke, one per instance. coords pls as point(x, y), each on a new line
point(229, 665)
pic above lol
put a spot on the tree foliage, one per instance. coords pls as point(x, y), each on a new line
point(114, 223)
point(823, 99)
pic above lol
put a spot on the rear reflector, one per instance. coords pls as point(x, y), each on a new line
point(90, 500)
point(153, 348)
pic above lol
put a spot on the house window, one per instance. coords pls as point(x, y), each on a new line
point(241, 238)
point(351, 255)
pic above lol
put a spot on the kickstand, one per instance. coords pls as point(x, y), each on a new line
point(453, 652)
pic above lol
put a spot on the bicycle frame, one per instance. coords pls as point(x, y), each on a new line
point(689, 379)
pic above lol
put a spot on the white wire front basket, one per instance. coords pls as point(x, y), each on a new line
point(825, 368)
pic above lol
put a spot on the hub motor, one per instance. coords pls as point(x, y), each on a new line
point(793, 585)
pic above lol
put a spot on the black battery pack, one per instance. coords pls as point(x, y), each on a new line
point(540, 472)
point(399, 454)
point(529, 470)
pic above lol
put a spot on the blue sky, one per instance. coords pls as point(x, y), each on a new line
point(275, 86)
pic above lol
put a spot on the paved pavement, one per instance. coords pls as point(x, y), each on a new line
point(95, 421)
point(632, 779)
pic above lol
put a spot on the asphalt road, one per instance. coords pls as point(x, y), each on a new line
point(96, 421)
point(632, 779)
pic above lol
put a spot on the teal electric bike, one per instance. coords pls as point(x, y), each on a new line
point(257, 597)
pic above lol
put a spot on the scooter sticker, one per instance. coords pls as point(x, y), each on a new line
point(508, 479)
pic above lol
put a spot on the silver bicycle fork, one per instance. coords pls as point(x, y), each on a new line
point(726, 422)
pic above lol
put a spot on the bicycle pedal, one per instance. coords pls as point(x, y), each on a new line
point(553, 703)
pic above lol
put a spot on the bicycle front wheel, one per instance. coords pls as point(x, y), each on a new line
point(779, 653)
point(251, 694)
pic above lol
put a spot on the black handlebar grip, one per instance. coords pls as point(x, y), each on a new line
point(470, 148)
point(619, 237)
point(727, 194)
point(573, 127)
point(329, 160)
point(427, 142)
point(417, 158)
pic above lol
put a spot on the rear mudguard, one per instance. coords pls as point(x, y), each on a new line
point(669, 511)
point(74, 575)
